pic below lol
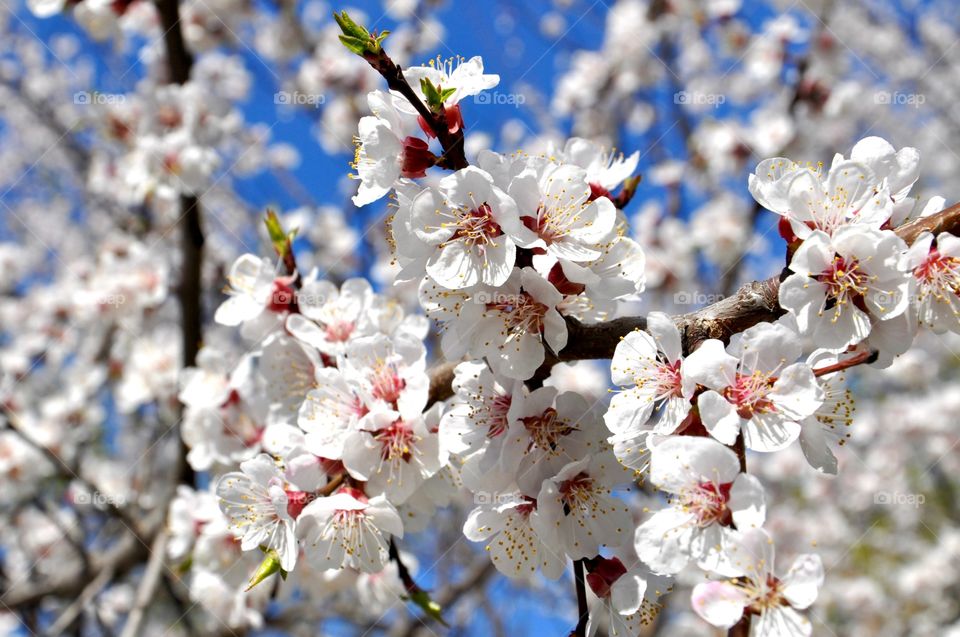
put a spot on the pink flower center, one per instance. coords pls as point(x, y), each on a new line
point(708, 502)
point(477, 226)
point(748, 393)
point(666, 379)
point(939, 274)
point(528, 506)
point(283, 298)
point(844, 280)
point(521, 313)
point(497, 420)
point(577, 492)
point(396, 441)
point(358, 407)
point(339, 331)
point(387, 384)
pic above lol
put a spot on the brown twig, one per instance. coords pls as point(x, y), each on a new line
point(583, 611)
point(453, 152)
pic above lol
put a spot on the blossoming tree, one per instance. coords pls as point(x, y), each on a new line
point(203, 437)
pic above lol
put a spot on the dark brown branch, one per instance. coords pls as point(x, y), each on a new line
point(179, 63)
point(452, 143)
point(179, 59)
point(583, 611)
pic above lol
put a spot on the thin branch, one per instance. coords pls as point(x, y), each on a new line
point(755, 302)
point(70, 615)
point(583, 611)
point(453, 157)
point(148, 586)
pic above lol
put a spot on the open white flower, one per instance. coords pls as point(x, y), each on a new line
point(477, 422)
point(328, 317)
point(555, 202)
point(605, 170)
point(709, 498)
point(827, 426)
point(576, 511)
point(289, 371)
point(551, 431)
point(839, 283)
point(332, 411)
point(617, 273)
point(850, 194)
point(773, 600)
point(755, 387)
point(385, 150)
point(466, 77)
point(936, 279)
point(348, 530)
point(254, 289)
point(898, 170)
point(397, 456)
point(648, 368)
point(629, 598)
point(388, 372)
point(514, 547)
point(261, 505)
point(511, 324)
point(472, 226)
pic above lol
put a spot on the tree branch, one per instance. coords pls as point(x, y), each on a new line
point(753, 303)
point(583, 611)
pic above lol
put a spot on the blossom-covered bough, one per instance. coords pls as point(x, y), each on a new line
point(331, 422)
point(512, 258)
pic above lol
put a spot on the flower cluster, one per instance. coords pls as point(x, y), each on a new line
point(336, 388)
point(853, 279)
point(504, 253)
